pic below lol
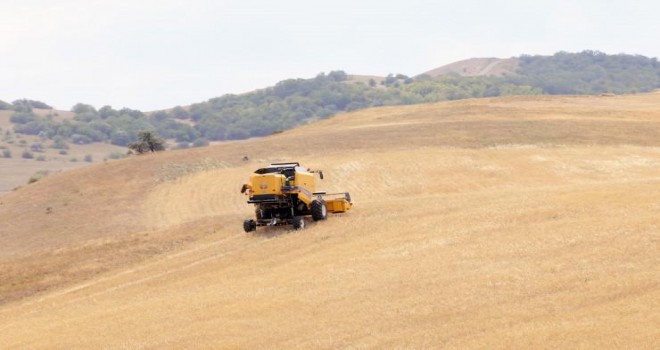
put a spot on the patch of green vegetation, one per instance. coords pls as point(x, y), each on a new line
point(588, 72)
point(116, 155)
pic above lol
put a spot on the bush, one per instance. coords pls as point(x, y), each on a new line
point(59, 143)
point(80, 139)
point(63, 152)
point(6, 153)
point(38, 176)
point(81, 108)
point(23, 117)
point(200, 142)
point(27, 155)
point(116, 155)
point(88, 158)
point(22, 106)
point(26, 104)
point(74, 159)
point(37, 147)
point(41, 158)
point(39, 104)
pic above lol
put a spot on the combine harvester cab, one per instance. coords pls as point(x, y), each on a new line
point(285, 193)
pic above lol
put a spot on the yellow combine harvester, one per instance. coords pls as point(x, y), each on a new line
point(284, 193)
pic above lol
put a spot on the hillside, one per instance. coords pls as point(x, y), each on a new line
point(62, 139)
point(16, 170)
point(520, 222)
point(472, 67)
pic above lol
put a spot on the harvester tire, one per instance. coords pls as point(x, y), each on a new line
point(249, 225)
point(298, 222)
point(319, 210)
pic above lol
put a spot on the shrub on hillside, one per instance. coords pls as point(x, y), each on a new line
point(88, 158)
point(37, 147)
point(23, 117)
point(116, 155)
point(38, 176)
point(27, 155)
point(6, 153)
point(59, 143)
point(80, 139)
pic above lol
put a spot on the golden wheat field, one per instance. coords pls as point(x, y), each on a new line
point(509, 223)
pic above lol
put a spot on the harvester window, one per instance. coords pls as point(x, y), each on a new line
point(288, 173)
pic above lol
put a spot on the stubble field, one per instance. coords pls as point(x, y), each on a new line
point(525, 222)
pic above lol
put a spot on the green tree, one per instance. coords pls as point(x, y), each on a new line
point(81, 108)
point(179, 113)
point(107, 112)
point(22, 106)
point(147, 142)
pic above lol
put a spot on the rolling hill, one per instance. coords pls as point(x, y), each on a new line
point(17, 170)
point(499, 67)
point(518, 222)
point(96, 135)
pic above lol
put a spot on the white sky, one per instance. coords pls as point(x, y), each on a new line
point(155, 54)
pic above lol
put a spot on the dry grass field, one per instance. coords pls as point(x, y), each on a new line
point(521, 222)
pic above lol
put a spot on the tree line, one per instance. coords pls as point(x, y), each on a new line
point(294, 102)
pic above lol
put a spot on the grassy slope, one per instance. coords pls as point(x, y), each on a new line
point(515, 222)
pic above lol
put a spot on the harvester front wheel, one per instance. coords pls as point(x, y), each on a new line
point(319, 210)
point(249, 225)
point(298, 222)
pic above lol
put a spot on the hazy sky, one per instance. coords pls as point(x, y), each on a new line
point(155, 54)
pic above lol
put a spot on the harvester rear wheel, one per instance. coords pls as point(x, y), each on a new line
point(298, 222)
point(249, 225)
point(319, 210)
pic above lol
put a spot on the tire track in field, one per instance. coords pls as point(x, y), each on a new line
point(164, 273)
point(146, 266)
